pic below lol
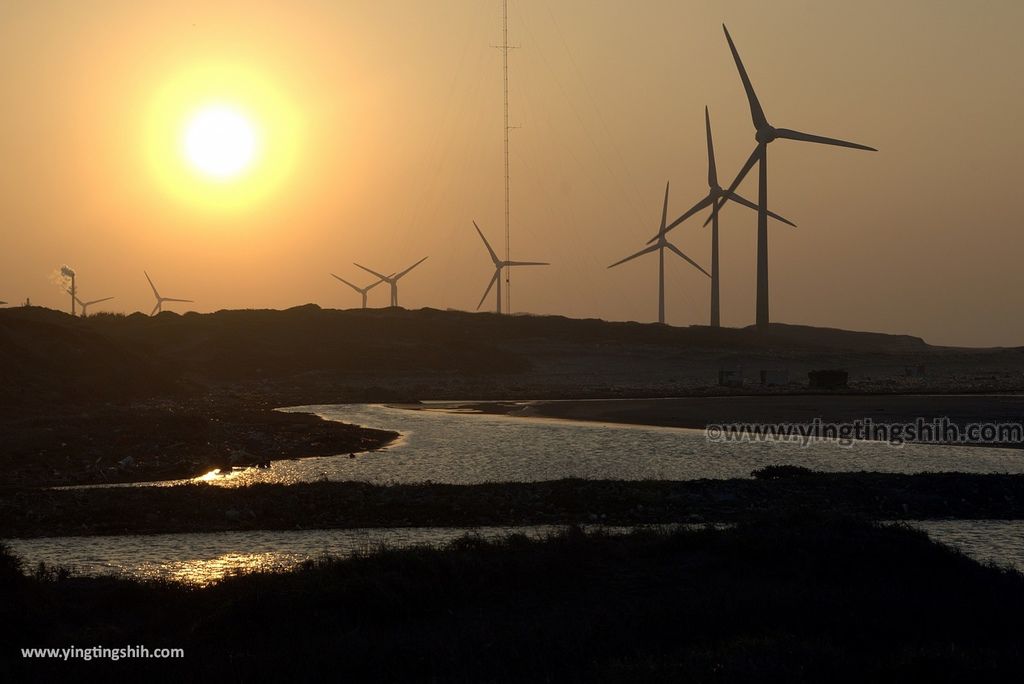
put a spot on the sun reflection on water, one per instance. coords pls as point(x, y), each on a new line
point(205, 571)
point(238, 476)
point(201, 559)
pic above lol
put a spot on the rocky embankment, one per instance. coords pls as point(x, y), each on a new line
point(164, 440)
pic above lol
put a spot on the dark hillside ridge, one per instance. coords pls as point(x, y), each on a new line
point(47, 355)
point(785, 335)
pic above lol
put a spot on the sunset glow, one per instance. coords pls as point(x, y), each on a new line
point(373, 132)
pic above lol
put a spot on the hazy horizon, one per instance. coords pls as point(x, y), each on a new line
point(390, 119)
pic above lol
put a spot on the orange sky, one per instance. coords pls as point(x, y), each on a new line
point(394, 118)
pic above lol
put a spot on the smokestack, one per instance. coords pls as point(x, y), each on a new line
point(68, 272)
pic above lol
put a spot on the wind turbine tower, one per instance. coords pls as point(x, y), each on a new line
point(85, 305)
point(715, 194)
point(160, 300)
point(364, 291)
point(393, 279)
point(499, 266)
point(661, 245)
point(765, 133)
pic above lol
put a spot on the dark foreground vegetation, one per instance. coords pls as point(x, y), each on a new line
point(805, 599)
point(323, 505)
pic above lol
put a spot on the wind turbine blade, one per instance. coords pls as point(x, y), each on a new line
point(494, 257)
point(357, 289)
point(96, 301)
point(527, 263)
point(693, 210)
point(382, 277)
point(664, 209)
point(494, 279)
point(754, 156)
point(712, 169)
point(171, 299)
point(692, 262)
point(747, 203)
point(396, 277)
point(643, 251)
point(756, 113)
point(807, 137)
point(155, 309)
point(155, 293)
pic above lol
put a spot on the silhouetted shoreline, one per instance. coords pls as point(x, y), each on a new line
point(775, 490)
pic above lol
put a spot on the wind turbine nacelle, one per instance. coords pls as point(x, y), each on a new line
point(765, 135)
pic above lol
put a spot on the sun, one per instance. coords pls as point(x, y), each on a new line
point(220, 142)
point(222, 137)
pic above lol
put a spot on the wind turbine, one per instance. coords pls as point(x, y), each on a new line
point(393, 279)
point(160, 300)
point(498, 266)
point(715, 193)
point(361, 290)
point(85, 305)
point(661, 245)
point(765, 134)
